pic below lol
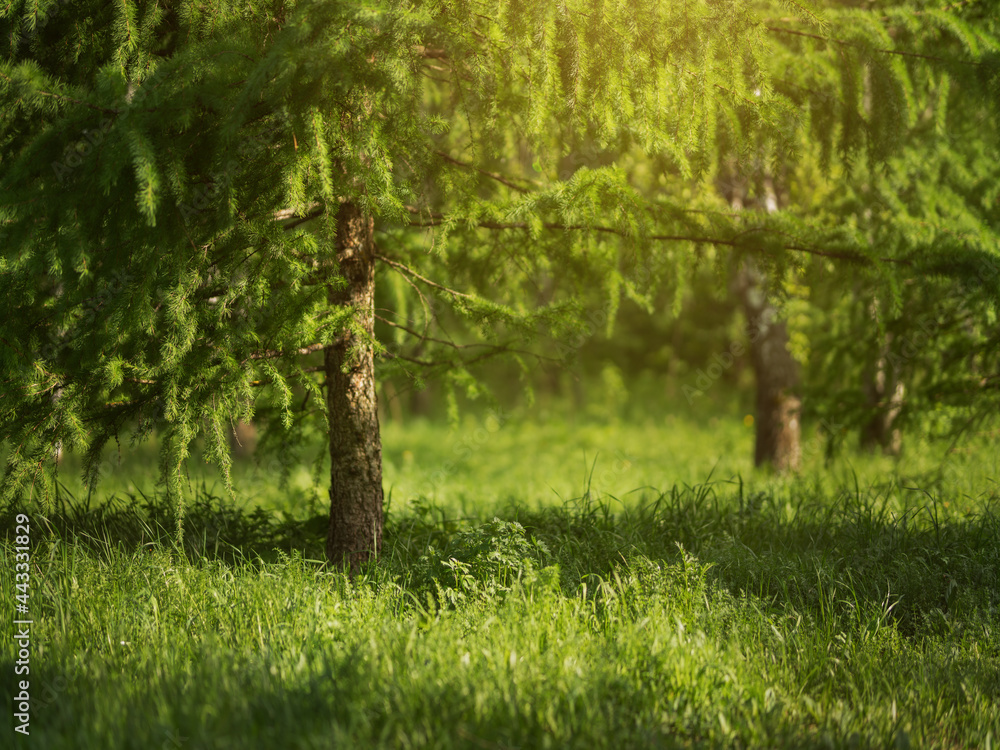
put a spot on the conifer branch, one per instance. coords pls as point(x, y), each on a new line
point(406, 269)
point(315, 213)
point(494, 175)
point(495, 351)
point(734, 243)
point(414, 360)
point(62, 97)
point(795, 19)
point(452, 344)
point(428, 307)
point(431, 53)
point(842, 43)
point(950, 6)
point(429, 77)
point(276, 353)
point(105, 110)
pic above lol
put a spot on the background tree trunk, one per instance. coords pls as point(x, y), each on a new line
point(884, 393)
point(355, 534)
point(778, 439)
point(779, 432)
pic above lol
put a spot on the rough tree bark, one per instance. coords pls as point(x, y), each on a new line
point(355, 534)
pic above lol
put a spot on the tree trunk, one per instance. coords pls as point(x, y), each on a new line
point(778, 428)
point(355, 534)
point(884, 393)
point(778, 439)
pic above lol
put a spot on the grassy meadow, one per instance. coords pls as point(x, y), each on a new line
point(546, 582)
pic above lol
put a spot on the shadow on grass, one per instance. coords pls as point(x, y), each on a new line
point(344, 695)
point(214, 527)
point(820, 554)
point(343, 700)
point(811, 552)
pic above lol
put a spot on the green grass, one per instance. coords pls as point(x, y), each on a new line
point(528, 599)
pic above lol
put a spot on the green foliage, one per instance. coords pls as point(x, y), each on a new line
point(170, 176)
point(483, 562)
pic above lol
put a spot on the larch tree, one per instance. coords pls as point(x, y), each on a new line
point(195, 199)
point(891, 116)
point(916, 181)
point(851, 95)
